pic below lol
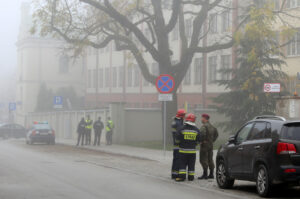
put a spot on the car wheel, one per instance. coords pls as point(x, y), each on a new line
point(223, 180)
point(263, 184)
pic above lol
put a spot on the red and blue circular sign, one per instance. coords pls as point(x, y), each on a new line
point(165, 84)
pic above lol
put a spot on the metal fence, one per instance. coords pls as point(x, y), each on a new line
point(65, 122)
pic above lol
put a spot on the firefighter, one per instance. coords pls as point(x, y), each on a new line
point(210, 135)
point(109, 131)
point(88, 130)
point(81, 131)
point(98, 127)
point(188, 136)
point(176, 125)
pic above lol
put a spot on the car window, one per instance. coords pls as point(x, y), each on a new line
point(244, 133)
point(258, 131)
point(18, 127)
point(291, 132)
point(42, 126)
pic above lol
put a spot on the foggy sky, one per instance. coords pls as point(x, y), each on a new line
point(9, 20)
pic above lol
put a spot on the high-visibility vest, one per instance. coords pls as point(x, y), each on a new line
point(110, 125)
point(88, 124)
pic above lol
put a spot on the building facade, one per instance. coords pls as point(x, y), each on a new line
point(111, 77)
point(42, 61)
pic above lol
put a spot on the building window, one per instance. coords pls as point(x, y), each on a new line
point(225, 64)
point(64, 64)
point(293, 47)
point(95, 78)
point(212, 69)
point(129, 76)
point(175, 34)
point(136, 76)
point(114, 77)
point(225, 21)
point(198, 68)
point(121, 76)
point(188, 27)
point(292, 3)
point(187, 78)
point(107, 77)
point(213, 24)
point(89, 79)
point(100, 79)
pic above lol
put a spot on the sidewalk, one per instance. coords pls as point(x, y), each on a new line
point(136, 152)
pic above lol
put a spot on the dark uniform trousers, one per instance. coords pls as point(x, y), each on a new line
point(187, 159)
point(175, 163)
point(88, 133)
point(109, 135)
point(80, 136)
point(97, 137)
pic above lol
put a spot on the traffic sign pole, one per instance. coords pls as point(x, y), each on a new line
point(165, 84)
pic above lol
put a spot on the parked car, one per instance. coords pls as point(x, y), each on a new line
point(12, 131)
point(40, 132)
point(265, 150)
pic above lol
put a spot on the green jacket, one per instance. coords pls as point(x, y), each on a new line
point(210, 134)
point(110, 126)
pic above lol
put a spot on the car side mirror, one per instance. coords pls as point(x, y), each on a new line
point(231, 140)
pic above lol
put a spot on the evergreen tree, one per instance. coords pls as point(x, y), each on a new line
point(259, 61)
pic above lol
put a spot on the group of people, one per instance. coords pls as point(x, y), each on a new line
point(186, 137)
point(85, 127)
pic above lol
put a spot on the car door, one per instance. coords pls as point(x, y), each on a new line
point(19, 131)
point(253, 146)
point(235, 150)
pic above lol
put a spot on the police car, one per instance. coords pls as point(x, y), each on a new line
point(40, 132)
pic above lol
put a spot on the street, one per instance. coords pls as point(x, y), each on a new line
point(66, 172)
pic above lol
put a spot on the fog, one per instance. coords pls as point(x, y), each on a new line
point(9, 20)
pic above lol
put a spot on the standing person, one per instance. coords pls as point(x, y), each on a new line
point(210, 135)
point(81, 131)
point(176, 125)
point(189, 136)
point(109, 131)
point(98, 127)
point(88, 130)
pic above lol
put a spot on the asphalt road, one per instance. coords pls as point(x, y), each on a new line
point(64, 172)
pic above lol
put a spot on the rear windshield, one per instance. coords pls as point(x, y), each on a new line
point(291, 132)
point(42, 126)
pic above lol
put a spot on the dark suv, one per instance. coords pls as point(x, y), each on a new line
point(265, 150)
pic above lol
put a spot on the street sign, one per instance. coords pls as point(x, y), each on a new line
point(58, 102)
point(165, 84)
point(12, 106)
point(165, 97)
point(272, 88)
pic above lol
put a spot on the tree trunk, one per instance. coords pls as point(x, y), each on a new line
point(171, 112)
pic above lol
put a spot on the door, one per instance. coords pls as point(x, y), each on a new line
point(253, 146)
point(235, 151)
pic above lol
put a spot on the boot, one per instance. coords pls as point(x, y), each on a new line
point(211, 174)
point(204, 176)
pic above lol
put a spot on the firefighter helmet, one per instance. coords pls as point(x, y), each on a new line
point(181, 113)
point(191, 118)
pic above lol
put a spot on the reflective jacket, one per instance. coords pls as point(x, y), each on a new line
point(189, 136)
point(110, 125)
point(176, 125)
point(88, 124)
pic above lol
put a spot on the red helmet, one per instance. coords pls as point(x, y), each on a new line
point(181, 113)
point(190, 118)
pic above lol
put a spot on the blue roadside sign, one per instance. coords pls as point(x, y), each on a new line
point(12, 106)
point(58, 102)
point(165, 84)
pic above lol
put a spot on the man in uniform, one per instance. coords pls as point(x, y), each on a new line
point(98, 127)
point(189, 136)
point(176, 125)
point(210, 135)
point(88, 130)
point(109, 131)
point(81, 131)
